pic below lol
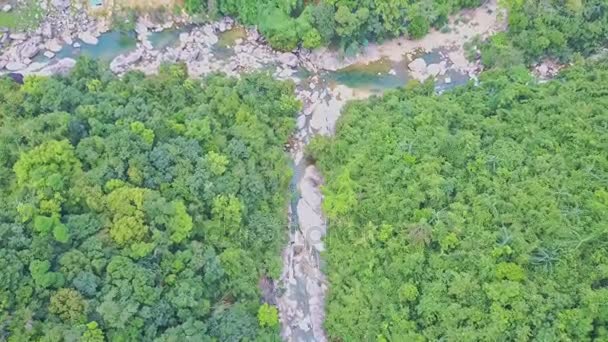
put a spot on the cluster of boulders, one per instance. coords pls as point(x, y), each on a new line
point(63, 22)
point(198, 49)
point(547, 69)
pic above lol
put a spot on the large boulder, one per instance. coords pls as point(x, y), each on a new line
point(288, 59)
point(29, 49)
point(53, 45)
point(418, 65)
point(122, 62)
point(14, 66)
point(433, 69)
point(88, 38)
point(18, 36)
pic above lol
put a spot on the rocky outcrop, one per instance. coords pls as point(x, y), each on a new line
point(288, 59)
point(88, 38)
point(120, 64)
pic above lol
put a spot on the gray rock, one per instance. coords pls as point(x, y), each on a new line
point(301, 121)
point(67, 38)
point(29, 49)
point(7, 8)
point(3, 63)
point(18, 36)
point(253, 35)
point(184, 38)
point(49, 54)
point(53, 45)
point(288, 59)
point(88, 38)
point(433, 69)
point(210, 39)
point(62, 67)
point(208, 30)
point(418, 65)
point(76, 45)
point(120, 63)
point(447, 80)
point(46, 30)
point(14, 66)
point(60, 4)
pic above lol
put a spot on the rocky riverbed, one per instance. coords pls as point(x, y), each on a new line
point(300, 292)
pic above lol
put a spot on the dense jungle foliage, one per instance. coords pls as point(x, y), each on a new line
point(477, 215)
point(141, 209)
point(349, 23)
point(557, 28)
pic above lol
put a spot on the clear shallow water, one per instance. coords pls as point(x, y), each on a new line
point(110, 45)
point(384, 74)
point(165, 38)
point(376, 76)
point(228, 38)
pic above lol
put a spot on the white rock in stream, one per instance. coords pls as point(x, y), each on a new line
point(53, 45)
point(418, 65)
point(7, 8)
point(433, 70)
point(88, 38)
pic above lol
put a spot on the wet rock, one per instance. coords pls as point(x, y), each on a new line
point(417, 65)
point(76, 45)
point(447, 80)
point(49, 54)
point(88, 38)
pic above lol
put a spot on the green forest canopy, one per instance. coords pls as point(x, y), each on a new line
point(141, 209)
point(477, 215)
